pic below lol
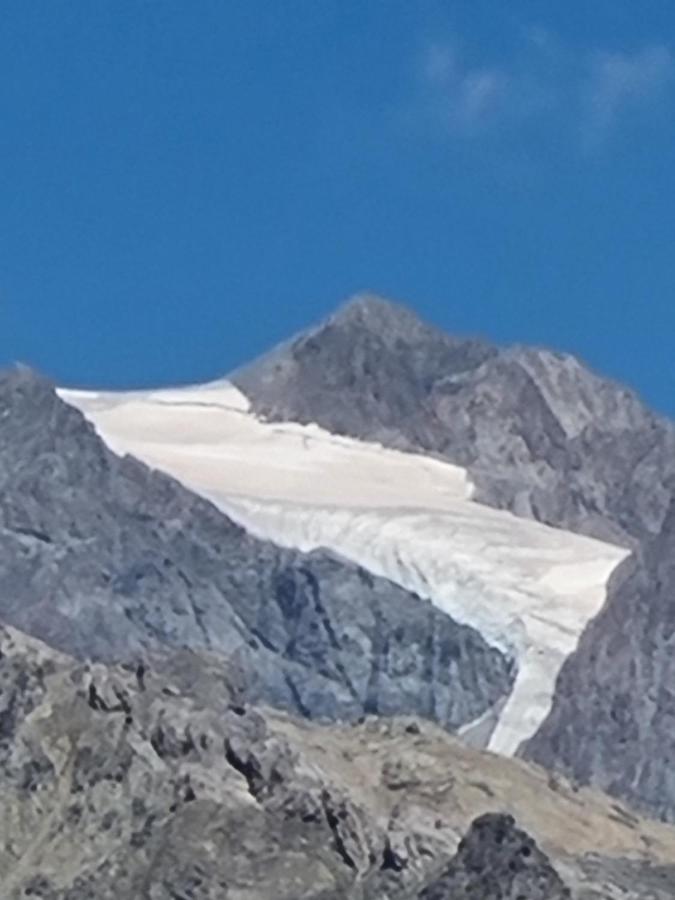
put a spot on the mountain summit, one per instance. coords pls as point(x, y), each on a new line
point(367, 371)
point(388, 319)
point(539, 432)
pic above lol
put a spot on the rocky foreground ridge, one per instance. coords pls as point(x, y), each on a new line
point(157, 781)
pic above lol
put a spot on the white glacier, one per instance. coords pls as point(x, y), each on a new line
point(529, 589)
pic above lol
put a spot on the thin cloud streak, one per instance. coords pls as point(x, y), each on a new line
point(620, 81)
point(466, 99)
point(588, 94)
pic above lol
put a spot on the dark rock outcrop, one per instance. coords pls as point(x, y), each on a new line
point(104, 558)
point(497, 861)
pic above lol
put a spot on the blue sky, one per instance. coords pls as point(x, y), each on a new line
point(184, 184)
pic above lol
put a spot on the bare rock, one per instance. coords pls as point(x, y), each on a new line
point(497, 861)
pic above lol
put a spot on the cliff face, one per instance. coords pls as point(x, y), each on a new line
point(613, 719)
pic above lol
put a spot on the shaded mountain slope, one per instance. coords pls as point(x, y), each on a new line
point(103, 557)
point(366, 372)
point(621, 734)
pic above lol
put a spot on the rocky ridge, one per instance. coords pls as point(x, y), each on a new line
point(157, 782)
point(621, 734)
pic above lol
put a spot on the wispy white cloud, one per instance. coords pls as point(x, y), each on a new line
point(466, 99)
point(439, 63)
point(481, 96)
point(618, 82)
point(586, 94)
point(539, 37)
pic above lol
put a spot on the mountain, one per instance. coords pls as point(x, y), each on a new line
point(535, 434)
point(218, 601)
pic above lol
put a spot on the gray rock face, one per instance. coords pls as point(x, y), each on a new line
point(543, 437)
point(366, 372)
point(497, 861)
point(102, 557)
point(620, 735)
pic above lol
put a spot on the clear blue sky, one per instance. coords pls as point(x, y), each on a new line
point(182, 184)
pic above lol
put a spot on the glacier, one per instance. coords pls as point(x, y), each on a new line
point(527, 588)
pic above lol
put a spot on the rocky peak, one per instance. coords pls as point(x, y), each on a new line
point(362, 372)
point(382, 317)
point(36, 424)
point(20, 385)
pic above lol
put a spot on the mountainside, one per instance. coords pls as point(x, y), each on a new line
point(366, 372)
point(543, 437)
point(161, 785)
point(103, 557)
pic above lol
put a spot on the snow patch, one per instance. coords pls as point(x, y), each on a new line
point(529, 589)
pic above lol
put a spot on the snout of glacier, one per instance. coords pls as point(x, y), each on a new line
point(527, 588)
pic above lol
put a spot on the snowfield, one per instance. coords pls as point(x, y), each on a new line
point(529, 589)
